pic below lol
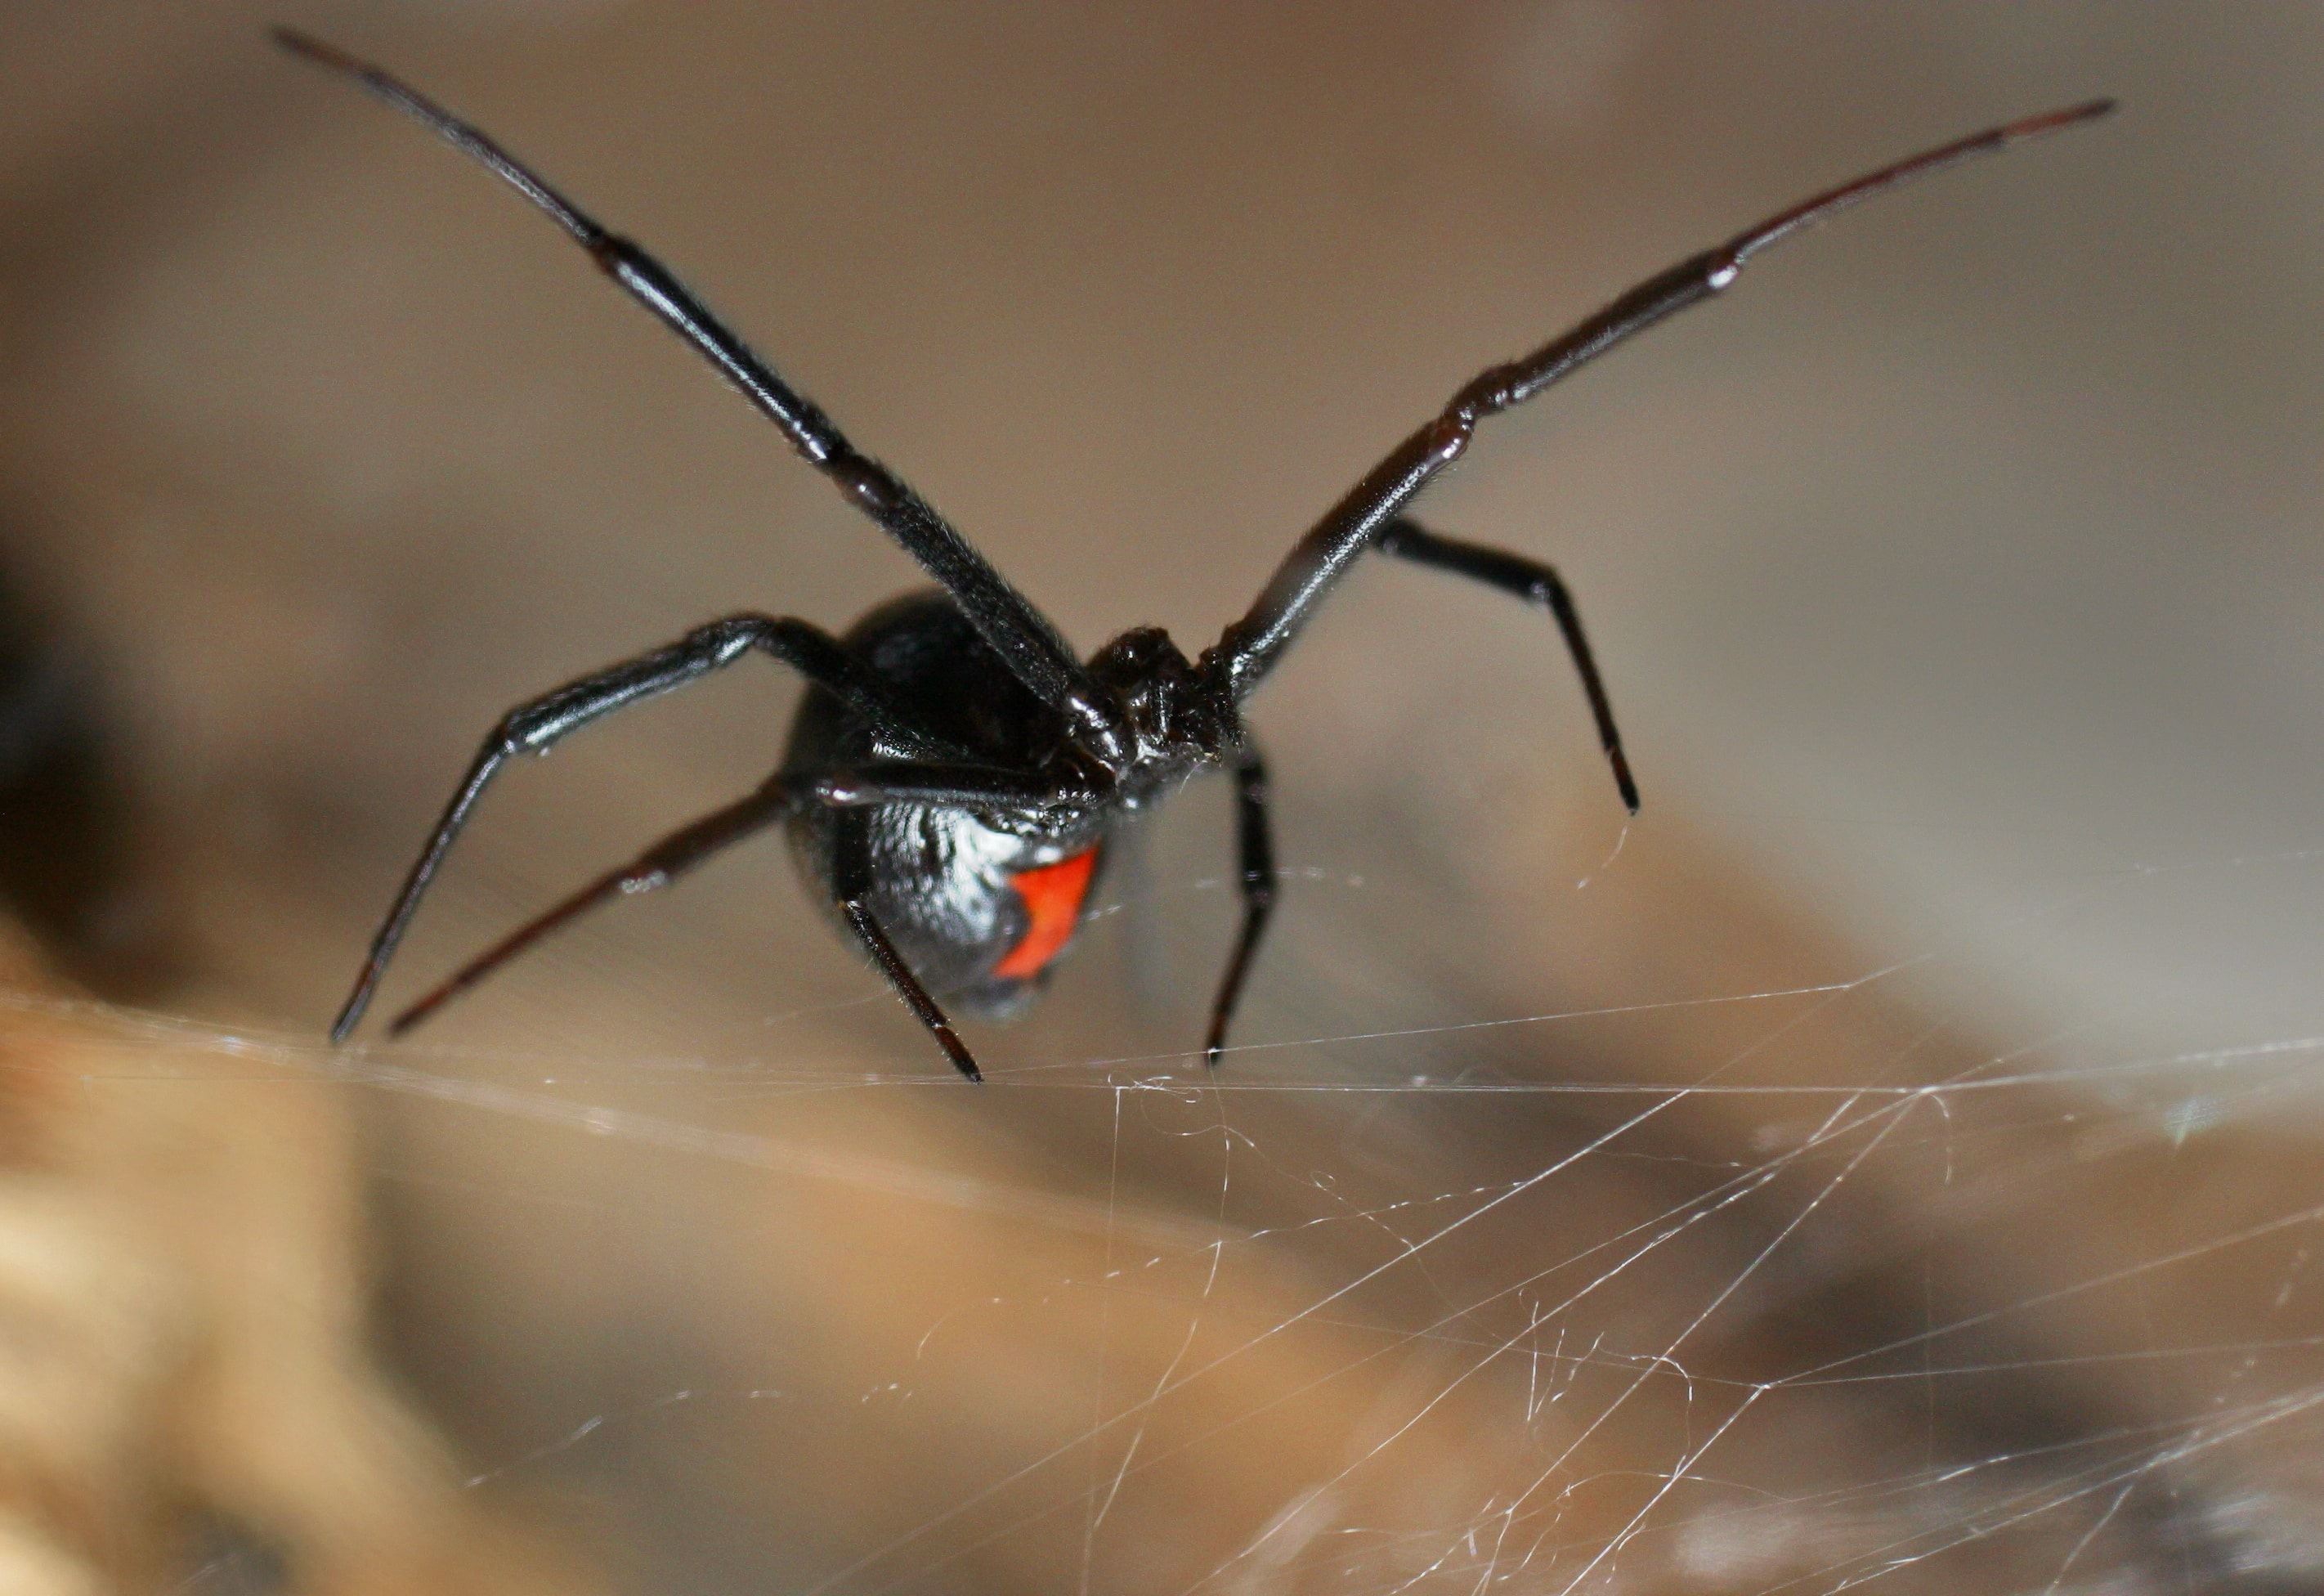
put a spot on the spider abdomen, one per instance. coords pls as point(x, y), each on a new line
point(974, 901)
point(945, 887)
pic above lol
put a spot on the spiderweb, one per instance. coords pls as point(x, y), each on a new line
point(1737, 1264)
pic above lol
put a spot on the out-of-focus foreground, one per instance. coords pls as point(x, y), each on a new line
point(1892, 1158)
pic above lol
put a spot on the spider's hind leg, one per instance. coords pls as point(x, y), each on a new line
point(656, 867)
point(852, 858)
point(783, 794)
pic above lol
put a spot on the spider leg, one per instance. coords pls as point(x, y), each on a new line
point(1252, 646)
point(900, 781)
point(945, 785)
point(853, 861)
point(539, 725)
point(1005, 618)
point(1254, 841)
point(1536, 584)
point(656, 867)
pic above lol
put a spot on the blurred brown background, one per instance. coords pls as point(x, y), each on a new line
point(1955, 580)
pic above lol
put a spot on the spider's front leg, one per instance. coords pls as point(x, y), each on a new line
point(541, 724)
point(1018, 633)
point(1251, 647)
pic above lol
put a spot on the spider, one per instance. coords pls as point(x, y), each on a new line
point(953, 773)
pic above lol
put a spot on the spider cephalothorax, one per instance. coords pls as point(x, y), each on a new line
point(1178, 717)
point(955, 770)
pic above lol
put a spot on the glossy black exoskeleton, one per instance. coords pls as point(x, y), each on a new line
point(942, 881)
point(956, 772)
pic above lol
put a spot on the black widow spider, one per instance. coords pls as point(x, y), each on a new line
point(953, 773)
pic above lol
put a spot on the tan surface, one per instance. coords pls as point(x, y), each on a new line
point(182, 1298)
point(1959, 572)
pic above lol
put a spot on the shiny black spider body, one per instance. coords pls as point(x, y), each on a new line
point(941, 879)
point(956, 772)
